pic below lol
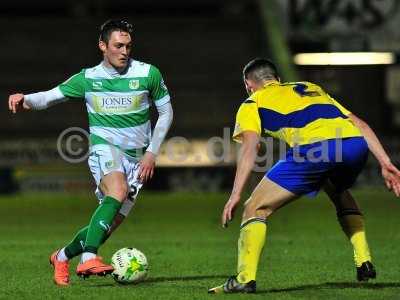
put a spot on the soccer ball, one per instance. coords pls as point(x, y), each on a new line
point(130, 266)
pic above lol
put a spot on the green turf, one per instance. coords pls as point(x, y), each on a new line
point(306, 256)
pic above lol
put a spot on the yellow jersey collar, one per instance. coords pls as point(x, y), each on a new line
point(270, 83)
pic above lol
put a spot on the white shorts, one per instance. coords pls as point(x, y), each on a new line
point(104, 159)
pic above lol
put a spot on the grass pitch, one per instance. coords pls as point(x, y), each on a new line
point(306, 255)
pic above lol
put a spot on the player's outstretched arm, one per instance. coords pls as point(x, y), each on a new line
point(247, 157)
point(390, 173)
point(37, 101)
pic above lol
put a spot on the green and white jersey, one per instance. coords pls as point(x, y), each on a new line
point(118, 104)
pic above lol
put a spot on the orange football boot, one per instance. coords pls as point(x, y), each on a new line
point(94, 266)
point(61, 270)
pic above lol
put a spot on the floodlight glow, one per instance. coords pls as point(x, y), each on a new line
point(345, 58)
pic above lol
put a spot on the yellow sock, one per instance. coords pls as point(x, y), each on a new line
point(250, 245)
point(353, 226)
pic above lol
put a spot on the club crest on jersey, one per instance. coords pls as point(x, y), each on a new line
point(97, 85)
point(134, 84)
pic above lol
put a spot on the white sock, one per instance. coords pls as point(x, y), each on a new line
point(86, 256)
point(61, 255)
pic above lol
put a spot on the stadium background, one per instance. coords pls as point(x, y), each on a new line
point(200, 47)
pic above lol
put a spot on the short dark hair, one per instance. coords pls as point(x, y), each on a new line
point(260, 69)
point(114, 25)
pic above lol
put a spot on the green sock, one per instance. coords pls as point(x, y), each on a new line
point(100, 223)
point(76, 246)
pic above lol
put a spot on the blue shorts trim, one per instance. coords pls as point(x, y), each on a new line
point(306, 168)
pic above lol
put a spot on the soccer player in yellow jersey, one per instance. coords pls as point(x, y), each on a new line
point(328, 149)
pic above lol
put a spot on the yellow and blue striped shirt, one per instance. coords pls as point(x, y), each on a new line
point(298, 113)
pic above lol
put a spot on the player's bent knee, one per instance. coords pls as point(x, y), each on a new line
point(114, 184)
point(118, 191)
point(255, 209)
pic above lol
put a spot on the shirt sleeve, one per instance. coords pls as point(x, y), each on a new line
point(43, 100)
point(247, 119)
point(74, 87)
point(343, 110)
point(165, 116)
point(158, 89)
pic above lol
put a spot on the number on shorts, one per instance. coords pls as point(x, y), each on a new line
point(132, 193)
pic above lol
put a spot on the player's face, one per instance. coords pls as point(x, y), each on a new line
point(118, 49)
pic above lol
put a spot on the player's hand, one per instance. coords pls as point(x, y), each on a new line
point(391, 175)
point(16, 102)
point(229, 210)
point(146, 169)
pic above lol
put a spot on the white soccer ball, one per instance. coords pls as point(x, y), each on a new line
point(130, 266)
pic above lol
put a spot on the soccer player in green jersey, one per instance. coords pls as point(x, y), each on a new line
point(117, 94)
